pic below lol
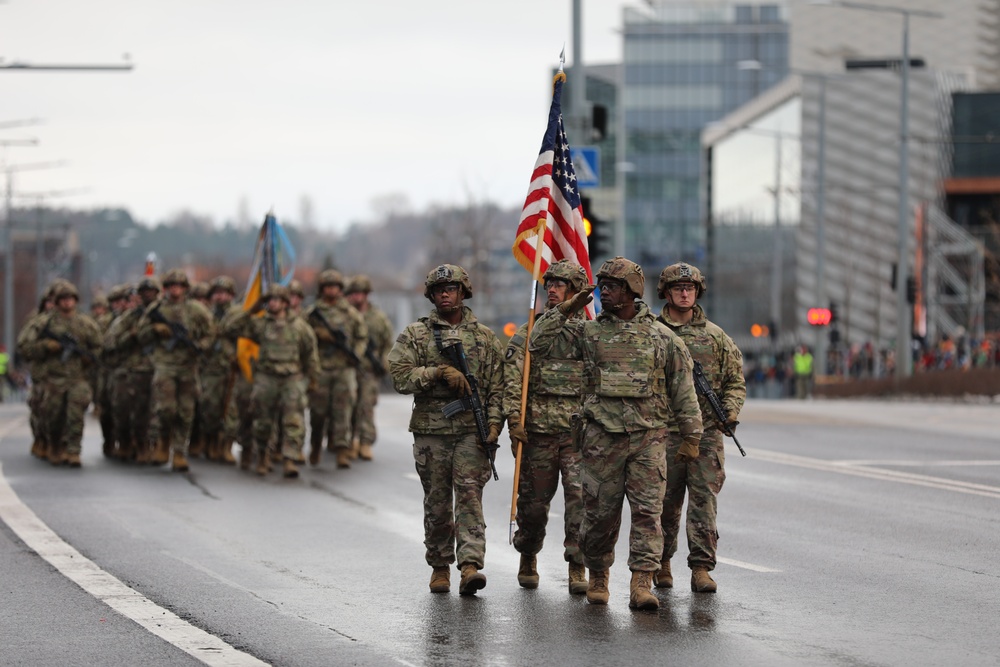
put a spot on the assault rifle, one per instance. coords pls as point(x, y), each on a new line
point(70, 345)
point(705, 389)
point(455, 353)
point(339, 338)
point(179, 332)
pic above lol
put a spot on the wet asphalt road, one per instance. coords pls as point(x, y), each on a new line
point(851, 534)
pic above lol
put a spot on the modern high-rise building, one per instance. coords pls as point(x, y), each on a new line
point(685, 65)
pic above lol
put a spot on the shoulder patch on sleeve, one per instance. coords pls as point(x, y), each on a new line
point(511, 350)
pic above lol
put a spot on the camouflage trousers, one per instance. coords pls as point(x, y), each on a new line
point(702, 479)
point(331, 406)
point(243, 408)
point(175, 392)
point(102, 399)
point(35, 397)
point(453, 470)
point(616, 466)
point(215, 418)
point(131, 405)
point(545, 459)
point(63, 406)
point(279, 400)
point(363, 420)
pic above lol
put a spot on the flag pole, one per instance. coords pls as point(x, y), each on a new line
point(539, 246)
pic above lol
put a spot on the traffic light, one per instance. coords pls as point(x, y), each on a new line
point(833, 312)
point(911, 290)
point(819, 317)
point(598, 231)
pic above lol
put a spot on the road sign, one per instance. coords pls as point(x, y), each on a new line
point(587, 163)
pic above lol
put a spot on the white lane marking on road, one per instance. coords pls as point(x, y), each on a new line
point(921, 464)
point(884, 475)
point(746, 566)
point(126, 601)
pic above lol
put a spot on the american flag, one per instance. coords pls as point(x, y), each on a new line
point(553, 196)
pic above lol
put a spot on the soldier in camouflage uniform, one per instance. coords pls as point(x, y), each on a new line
point(636, 374)
point(38, 369)
point(99, 310)
point(451, 461)
point(296, 295)
point(342, 340)
point(369, 377)
point(132, 375)
point(681, 285)
point(117, 299)
point(199, 292)
point(73, 339)
point(547, 447)
point(287, 361)
point(180, 330)
point(217, 375)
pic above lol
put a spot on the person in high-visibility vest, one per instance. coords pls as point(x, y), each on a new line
point(802, 364)
point(4, 363)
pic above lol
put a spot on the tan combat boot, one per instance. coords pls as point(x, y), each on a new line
point(472, 580)
point(263, 465)
point(180, 462)
point(73, 460)
point(527, 575)
point(355, 448)
point(314, 454)
point(577, 579)
point(597, 591)
point(161, 451)
point(56, 455)
point(224, 451)
point(639, 596)
point(701, 582)
point(142, 453)
point(291, 470)
point(365, 453)
point(344, 458)
point(663, 578)
point(38, 449)
point(441, 580)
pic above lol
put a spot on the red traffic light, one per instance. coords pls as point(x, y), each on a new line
point(819, 317)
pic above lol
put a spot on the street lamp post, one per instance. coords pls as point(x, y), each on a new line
point(904, 353)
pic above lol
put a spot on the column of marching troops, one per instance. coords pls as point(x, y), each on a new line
point(158, 360)
point(611, 409)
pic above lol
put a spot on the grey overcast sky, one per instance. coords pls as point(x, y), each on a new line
point(443, 100)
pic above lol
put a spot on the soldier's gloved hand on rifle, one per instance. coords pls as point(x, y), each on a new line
point(494, 434)
point(577, 303)
point(517, 434)
point(454, 379)
point(732, 426)
point(689, 450)
point(323, 336)
point(163, 330)
point(52, 346)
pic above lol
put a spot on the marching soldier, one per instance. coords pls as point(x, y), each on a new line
point(681, 285)
point(117, 299)
point(218, 377)
point(296, 296)
point(636, 373)
point(287, 361)
point(38, 369)
point(180, 330)
point(451, 461)
point(548, 451)
point(132, 374)
point(73, 338)
point(373, 365)
point(342, 336)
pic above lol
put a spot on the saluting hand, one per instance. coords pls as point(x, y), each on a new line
point(577, 302)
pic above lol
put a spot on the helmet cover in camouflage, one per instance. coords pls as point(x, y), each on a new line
point(569, 271)
point(681, 273)
point(99, 301)
point(54, 286)
point(295, 288)
point(359, 283)
point(119, 292)
point(223, 283)
point(150, 282)
point(200, 290)
point(65, 288)
point(176, 277)
point(448, 273)
point(278, 291)
point(330, 277)
point(625, 270)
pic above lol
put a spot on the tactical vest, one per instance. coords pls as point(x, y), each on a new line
point(556, 377)
point(279, 349)
point(620, 372)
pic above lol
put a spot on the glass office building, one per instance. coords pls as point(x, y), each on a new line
point(686, 65)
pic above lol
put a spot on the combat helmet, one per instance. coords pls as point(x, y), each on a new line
point(176, 277)
point(279, 291)
point(63, 289)
point(54, 286)
point(329, 277)
point(200, 290)
point(224, 284)
point(119, 292)
point(569, 271)
point(625, 270)
point(149, 282)
point(359, 283)
point(295, 288)
point(681, 273)
point(448, 273)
